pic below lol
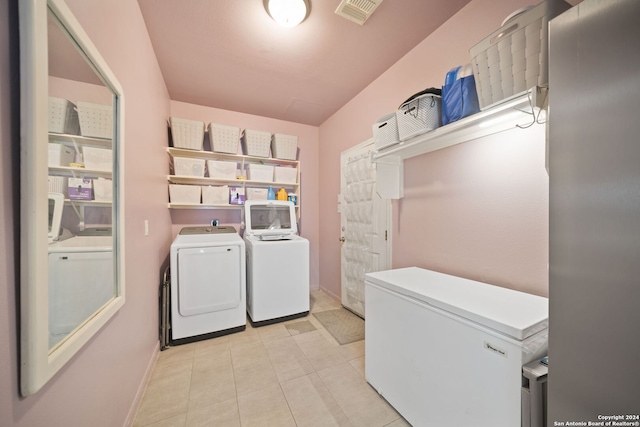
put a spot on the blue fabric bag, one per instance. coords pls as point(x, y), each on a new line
point(459, 99)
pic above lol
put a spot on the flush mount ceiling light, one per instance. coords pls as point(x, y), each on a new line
point(288, 13)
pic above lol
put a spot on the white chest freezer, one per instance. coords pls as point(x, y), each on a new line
point(80, 282)
point(81, 272)
point(448, 351)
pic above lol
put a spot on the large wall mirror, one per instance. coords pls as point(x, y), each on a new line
point(72, 251)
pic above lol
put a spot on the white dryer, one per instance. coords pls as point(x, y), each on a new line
point(277, 263)
point(208, 296)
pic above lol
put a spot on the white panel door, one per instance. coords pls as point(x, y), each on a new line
point(365, 224)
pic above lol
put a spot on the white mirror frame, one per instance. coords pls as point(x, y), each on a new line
point(37, 363)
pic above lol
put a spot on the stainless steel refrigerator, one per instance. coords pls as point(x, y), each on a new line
point(594, 223)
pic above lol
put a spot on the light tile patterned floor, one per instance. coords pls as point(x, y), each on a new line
point(270, 376)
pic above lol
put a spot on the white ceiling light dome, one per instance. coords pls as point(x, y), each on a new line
point(288, 13)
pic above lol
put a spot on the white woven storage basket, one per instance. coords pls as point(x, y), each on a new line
point(419, 115)
point(63, 117)
point(96, 120)
point(185, 166)
point(224, 139)
point(284, 146)
point(187, 134)
point(257, 193)
point(102, 190)
point(60, 154)
point(57, 184)
point(215, 195)
point(262, 173)
point(385, 131)
point(97, 158)
point(285, 175)
point(184, 193)
point(514, 58)
point(256, 143)
point(219, 169)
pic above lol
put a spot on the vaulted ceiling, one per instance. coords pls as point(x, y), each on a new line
point(230, 54)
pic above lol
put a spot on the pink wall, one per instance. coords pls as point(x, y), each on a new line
point(478, 210)
point(79, 91)
point(99, 385)
point(309, 172)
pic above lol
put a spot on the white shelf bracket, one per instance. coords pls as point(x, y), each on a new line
point(390, 177)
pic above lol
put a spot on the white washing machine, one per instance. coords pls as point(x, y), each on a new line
point(81, 273)
point(208, 296)
point(277, 263)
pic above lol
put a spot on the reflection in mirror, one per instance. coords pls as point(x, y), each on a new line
point(80, 132)
point(71, 191)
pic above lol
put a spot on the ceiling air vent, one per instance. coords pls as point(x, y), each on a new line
point(357, 11)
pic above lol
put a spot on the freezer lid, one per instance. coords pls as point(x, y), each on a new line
point(83, 244)
point(270, 219)
point(512, 313)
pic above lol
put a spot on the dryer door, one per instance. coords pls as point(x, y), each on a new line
point(208, 279)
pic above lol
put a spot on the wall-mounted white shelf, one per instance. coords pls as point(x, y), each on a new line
point(243, 161)
point(210, 155)
point(203, 206)
point(78, 172)
point(81, 140)
point(196, 180)
point(518, 111)
point(94, 203)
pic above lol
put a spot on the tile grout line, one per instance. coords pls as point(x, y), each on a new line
point(280, 382)
point(317, 325)
point(306, 375)
point(193, 360)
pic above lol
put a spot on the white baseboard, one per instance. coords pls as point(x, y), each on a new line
point(331, 294)
point(135, 405)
